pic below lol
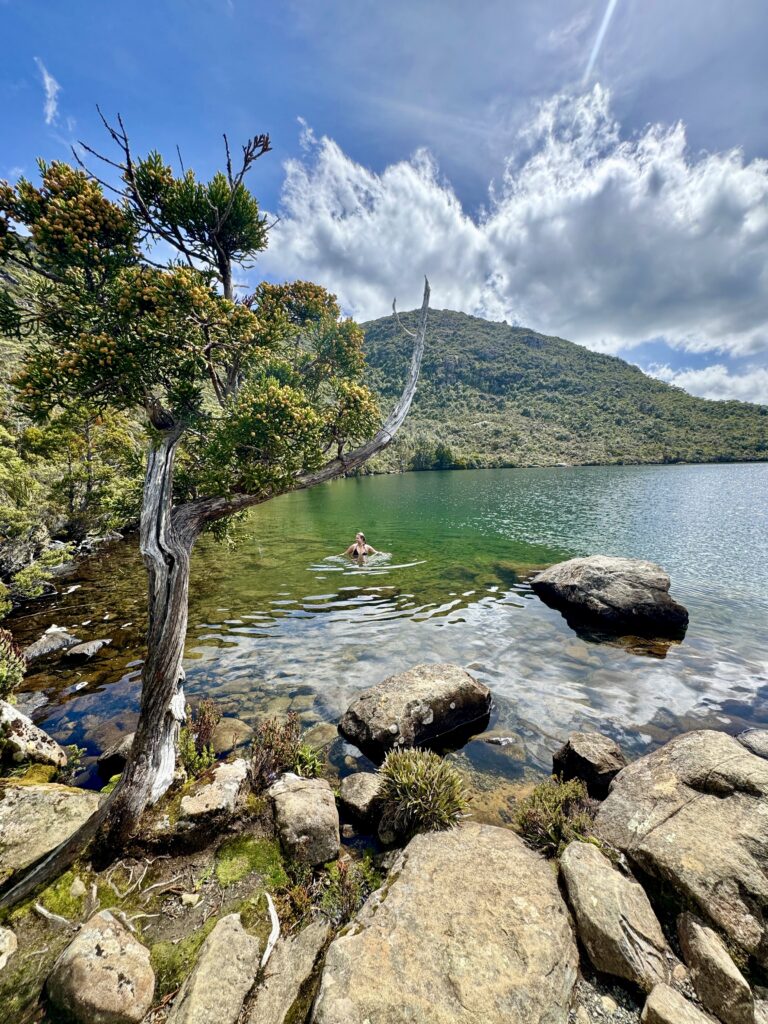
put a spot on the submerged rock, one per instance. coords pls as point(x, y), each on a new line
point(22, 740)
point(103, 976)
point(470, 926)
point(718, 982)
point(359, 794)
point(285, 995)
point(217, 795)
point(755, 740)
point(222, 977)
point(666, 1006)
point(416, 708)
point(35, 819)
point(53, 640)
point(614, 917)
point(694, 814)
point(307, 819)
point(591, 757)
point(230, 734)
point(88, 650)
point(625, 594)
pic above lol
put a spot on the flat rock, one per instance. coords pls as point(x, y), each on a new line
point(591, 757)
point(112, 760)
point(359, 794)
point(103, 976)
point(470, 926)
point(755, 740)
point(8, 946)
point(222, 977)
point(217, 796)
point(51, 642)
point(666, 1006)
point(614, 918)
point(307, 819)
point(35, 819)
point(694, 813)
point(719, 984)
point(416, 708)
point(291, 977)
point(625, 594)
point(24, 741)
point(230, 734)
point(86, 651)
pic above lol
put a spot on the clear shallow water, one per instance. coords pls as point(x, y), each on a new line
point(281, 621)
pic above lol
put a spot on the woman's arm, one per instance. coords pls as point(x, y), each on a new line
point(349, 550)
point(370, 551)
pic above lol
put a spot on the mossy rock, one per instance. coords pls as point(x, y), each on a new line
point(244, 855)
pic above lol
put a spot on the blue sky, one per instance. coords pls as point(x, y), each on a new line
point(623, 205)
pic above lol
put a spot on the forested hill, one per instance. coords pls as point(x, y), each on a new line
point(494, 395)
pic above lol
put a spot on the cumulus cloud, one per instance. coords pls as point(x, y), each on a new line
point(717, 381)
point(52, 90)
point(604, 240)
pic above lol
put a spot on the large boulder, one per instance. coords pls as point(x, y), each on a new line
point(103, 976)
point(614, 918)
point(21, 740)
point(114, 759)
point(416, 708)
point(53, 640)
point(216, 796)
point(35, 819)
point(591, 757)
point(222, 977)
point(666, 1006)
point(307, 819)
point(285, 994)
point(694, 814)
point(719, 984)
point(621, 594)
point(470, 926)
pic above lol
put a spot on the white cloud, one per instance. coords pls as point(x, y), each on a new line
point(717, 381)
point(52, 90)
point(603, 240)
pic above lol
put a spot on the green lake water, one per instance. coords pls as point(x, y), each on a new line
point(280, 621)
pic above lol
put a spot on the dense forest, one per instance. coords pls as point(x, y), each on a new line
point(495, 395)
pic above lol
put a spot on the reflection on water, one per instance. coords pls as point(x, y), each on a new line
point(282, 621)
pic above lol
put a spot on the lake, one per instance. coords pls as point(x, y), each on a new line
point(281, 622)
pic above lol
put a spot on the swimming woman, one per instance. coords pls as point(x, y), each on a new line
point(360, 548)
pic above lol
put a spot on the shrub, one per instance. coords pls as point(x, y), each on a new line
point(554, 814)
point(196, 751)
point(420, 792)
point(12, 665)
point(348, 884)
point(5, 600)
point(277, 748)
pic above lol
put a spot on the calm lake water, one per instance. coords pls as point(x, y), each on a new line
point(281, 622)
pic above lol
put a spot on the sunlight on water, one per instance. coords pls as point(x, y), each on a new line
point(283, 621)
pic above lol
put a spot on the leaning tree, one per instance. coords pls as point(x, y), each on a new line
point(244, 399)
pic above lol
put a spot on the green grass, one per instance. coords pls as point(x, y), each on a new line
point(239, 857)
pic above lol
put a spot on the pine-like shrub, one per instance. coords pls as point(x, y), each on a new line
point(554, 814)
point(420, 792)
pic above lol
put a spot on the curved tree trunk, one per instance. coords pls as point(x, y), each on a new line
point(149, 772)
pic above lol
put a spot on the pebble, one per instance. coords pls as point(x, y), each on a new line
point(77, 890)
point(190, 899)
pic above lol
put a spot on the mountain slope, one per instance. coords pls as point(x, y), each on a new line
point(494, 395)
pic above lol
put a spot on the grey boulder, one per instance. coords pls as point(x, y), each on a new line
point(217, 796)
point(103, 976)
point(223, 976)
point(112, 760)
point(359, 795)
point(591, 757)
point(285, 994)
point(614, 918)
point(86, 651)
point(51, 642)
point(694, 814)
point(718, 982)
point(470, 926)
point(625, 594)
point(24, 741)
point(307, 819)
point(416, 708)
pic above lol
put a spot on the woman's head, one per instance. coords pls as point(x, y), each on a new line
point(360, 537)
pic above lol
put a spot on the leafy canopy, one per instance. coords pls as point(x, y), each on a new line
point(262, 389)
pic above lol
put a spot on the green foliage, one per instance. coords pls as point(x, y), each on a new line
point(195, 747)
point(420, 792)
point(277, 748)
point(346, 886)
point(554, 814)
point(245, 855)
point(74, 763)
point(495, 395)
point(5, 600)
point(12, 665)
